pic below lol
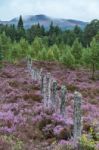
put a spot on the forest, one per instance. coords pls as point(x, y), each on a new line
point(74, 48)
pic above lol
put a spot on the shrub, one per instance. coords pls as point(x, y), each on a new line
point(86, 144)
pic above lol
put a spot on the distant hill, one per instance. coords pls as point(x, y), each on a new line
point(46, 21)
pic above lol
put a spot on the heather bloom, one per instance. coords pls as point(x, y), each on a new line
point(8, 130)
point(58, 118)
point(9, 116)
point(57, 130)
point(88, 119)
point(70, 144)
point(6, 115)
point(69, 121)
point(37, 109)
point(1, 115)
point(36, 119)
point(62, 142)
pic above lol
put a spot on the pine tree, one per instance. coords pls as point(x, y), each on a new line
point(42, 55)
point(94, 60)
point(20, 23)
point(4, 44)
point(77, 51)
point(90, 56)
point(50, 55)
point(14, 53)
point(20, 30)
point(68, 59)
point(37, 45)
point(56, 51)
point(23, 47)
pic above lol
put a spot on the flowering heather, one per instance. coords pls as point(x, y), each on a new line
point(58, 129)
point(23, 116)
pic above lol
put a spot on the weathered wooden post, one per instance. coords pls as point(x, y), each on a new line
point(54, 94)
point(42, 84)
point(35, 74)
point(32, 74)
point(44, 91)
point(63, 101)
point(30, 64)
point(77, 115)
point(39, 75)
point(48, 89)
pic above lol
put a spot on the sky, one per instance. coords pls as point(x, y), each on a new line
point(85, 10)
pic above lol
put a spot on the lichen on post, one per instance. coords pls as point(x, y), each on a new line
point(77, 115)
point(44, 91)
point(54, 94)
point(30, 64)
point(42, 84)
point(40, 72)
point(35, 74)
point(32, 74)
point(48, 89)
point(63, 101)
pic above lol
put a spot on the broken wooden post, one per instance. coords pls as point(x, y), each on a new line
point(44, 91)
point(32, 74)
point(77, 115)
point(54, 94)
point(48, 89)
point(42, 84)
point(29, 64)
point(39, 75)
point(63, 101)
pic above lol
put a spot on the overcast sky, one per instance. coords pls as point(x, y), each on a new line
point(84, 10)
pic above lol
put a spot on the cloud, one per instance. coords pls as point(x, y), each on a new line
point(73, 9)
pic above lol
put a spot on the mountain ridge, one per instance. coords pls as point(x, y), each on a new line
point(44, 20)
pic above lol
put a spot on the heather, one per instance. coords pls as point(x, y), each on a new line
point(25, 123)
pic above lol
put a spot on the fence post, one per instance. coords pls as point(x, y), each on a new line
point(35, 74)
point(77, 115)
point(42, 84)
point(32, 74)
point(54, 94)
point(63, 101)
point(44, 91)
point(48, 89)
point(30, 65)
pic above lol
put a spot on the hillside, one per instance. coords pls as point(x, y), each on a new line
point(46, 21)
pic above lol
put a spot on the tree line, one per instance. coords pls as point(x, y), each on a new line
point(74, 48)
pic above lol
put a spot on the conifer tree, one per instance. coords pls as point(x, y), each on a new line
point(90, 56)
point(23, 47)
point(68, 59)
point(56, 51)
point(77, 51)
point(50, 55)
point(20, 23)
point(37, 45)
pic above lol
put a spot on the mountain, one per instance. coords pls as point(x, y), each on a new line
point(46, 21)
